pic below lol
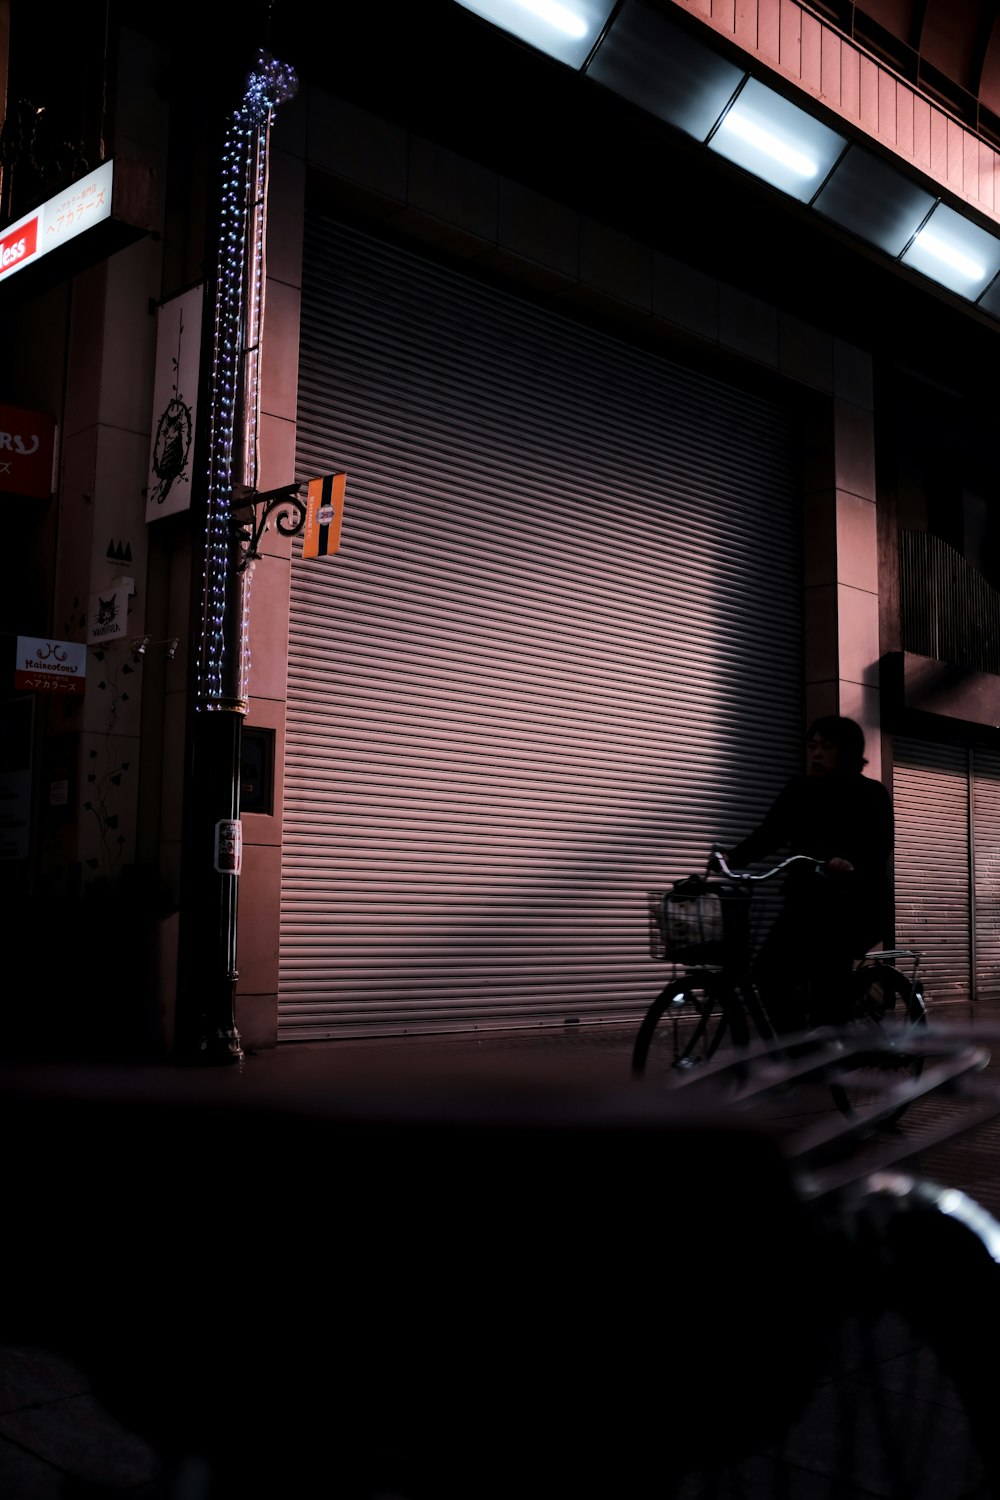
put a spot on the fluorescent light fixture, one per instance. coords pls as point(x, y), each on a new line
point(565, 29)
point(775, 140)
point(662, 68)
point(559, 16)
point(771, 145)
point(951, 257)
point(954, 252)
point(874, 200)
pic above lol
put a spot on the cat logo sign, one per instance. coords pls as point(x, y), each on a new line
point(324, 512)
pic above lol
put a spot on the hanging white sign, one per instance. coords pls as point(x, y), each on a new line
point(77, 208)
point(107, 617)
point(175, 404)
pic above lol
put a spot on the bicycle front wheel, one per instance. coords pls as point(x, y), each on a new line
point(684, 1026)
point(886, 1005)
point(903, 1403)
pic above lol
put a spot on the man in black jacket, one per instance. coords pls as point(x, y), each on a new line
point(844, 820)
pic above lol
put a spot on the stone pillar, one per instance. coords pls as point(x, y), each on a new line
point(840, 562)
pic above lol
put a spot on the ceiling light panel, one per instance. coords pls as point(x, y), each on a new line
point(874, 201)
point(663, 69)
point(776, 141)
point(955, 253)
point(565, 29)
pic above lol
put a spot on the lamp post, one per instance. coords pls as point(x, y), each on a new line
point(234, 516)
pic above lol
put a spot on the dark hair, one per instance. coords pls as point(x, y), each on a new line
point(846, 734)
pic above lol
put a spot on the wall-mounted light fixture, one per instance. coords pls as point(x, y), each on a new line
point(142, 644)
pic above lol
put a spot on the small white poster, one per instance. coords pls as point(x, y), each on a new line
point(107, 618)
point(175, 404)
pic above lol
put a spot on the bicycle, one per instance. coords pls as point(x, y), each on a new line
point(702, 925)
point(896, 1399)
point(882, 994)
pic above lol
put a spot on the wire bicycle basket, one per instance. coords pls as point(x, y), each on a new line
point(698, 921)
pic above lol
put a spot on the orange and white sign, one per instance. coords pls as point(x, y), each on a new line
point(324, 514)
point(78, 207)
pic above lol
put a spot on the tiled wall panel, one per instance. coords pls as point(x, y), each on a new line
point(868, 103)
point(812, 54)
point(830, 75)
point(887, 91)
point(769, 30)
point(904, 123)
point(790, 48)
point(745, 29)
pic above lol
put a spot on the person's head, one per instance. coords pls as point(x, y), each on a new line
point(834, 744)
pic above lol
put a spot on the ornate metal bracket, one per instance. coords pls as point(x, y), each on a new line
point(285, 504)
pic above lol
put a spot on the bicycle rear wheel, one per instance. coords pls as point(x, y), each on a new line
point(882, 998)
point(684, 1026)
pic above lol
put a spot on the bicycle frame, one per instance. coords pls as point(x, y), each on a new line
point(721, 995)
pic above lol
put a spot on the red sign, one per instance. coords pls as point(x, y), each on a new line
point(18, 245)
point(27, 440)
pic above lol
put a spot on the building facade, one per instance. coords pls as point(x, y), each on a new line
point(652, 452)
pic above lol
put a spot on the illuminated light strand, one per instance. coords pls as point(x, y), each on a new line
point(255, 325)
point(239, 296)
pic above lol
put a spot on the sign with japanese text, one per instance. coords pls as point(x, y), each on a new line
point(107, 616)
point(44, 666)
point(324, 514)
point(76, 209)
point(229, 846)
point(175, 404)
point(27, 446)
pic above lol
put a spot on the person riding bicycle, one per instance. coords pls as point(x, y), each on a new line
point(830, 918)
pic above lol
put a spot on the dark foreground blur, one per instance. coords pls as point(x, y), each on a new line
point(426, 1269)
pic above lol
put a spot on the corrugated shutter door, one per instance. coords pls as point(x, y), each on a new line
point(557, 654)
point(931, 796)
point(986, 825)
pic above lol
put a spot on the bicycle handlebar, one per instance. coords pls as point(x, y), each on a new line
point(719, 859)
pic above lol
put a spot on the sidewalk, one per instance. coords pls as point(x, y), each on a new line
point(60, 1439)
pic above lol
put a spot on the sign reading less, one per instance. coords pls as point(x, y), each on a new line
point(324, 513)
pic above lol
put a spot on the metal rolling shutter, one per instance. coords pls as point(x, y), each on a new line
point(931, 796)
point(986, 857)
point(557, 654)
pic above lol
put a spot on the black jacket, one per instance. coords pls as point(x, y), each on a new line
point(843, 816)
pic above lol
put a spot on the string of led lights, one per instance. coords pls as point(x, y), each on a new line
point(234, 381)
point(251, 387)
